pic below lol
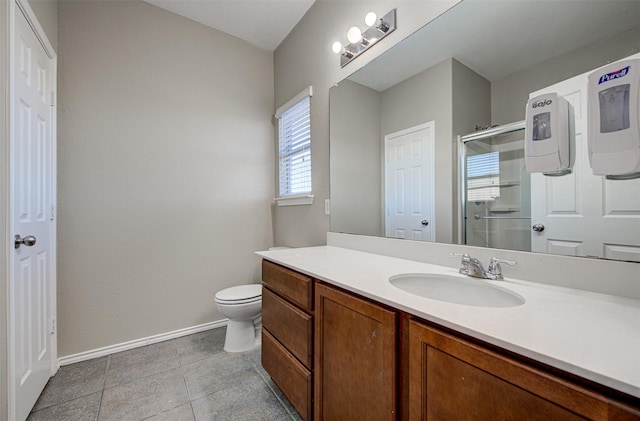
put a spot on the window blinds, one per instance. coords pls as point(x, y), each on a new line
point(294, 131)
point(483, 177)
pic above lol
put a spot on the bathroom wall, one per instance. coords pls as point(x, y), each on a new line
point(356, 155)
point(420, 99)
point(510, 95)
point(471, 107)
point(165, 157)
point(471, 99)
point(305, 58)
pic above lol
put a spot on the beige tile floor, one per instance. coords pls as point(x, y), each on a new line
point(185, 379)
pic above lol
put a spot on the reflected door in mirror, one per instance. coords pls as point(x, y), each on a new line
point(409, 183)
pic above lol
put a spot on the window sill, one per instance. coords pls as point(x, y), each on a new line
point(301, 199)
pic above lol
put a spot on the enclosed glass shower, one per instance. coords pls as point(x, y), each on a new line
point(495, 189)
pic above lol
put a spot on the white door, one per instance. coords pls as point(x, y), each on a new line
point(32, 185)
point(584, 214)
point(409, 183)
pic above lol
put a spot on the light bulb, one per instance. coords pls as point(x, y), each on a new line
point(370, 19)
point(354, 34)
point(336, 47)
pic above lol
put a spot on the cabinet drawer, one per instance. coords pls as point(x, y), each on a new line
point(292, 285)
point(293, 379)
point(290, 325)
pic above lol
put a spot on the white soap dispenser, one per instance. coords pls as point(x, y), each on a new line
point(549, 135)
point(614, 120)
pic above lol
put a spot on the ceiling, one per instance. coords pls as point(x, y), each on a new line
point(264, 23)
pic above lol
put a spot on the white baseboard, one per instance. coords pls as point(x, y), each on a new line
point(136, 343)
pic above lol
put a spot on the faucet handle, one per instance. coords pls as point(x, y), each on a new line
point(463, 255)
point(495, 268)
point(464, 262)
point(497, 261)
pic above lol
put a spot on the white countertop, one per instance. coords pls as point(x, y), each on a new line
point(594, 336)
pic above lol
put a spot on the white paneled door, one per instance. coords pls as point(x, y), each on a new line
point(31, 309)
point(582, 214)
point(409, 183)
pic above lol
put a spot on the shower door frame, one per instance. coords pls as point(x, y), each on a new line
point(462, 140)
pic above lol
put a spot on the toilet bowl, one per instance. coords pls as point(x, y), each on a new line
point(242, 305)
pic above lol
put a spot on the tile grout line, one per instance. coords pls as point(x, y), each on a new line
point(270, 388)
point(145, 374)
point(193, 412)
point(186, 386)
point(189, 350)
point(104, 382)
point(67, 400)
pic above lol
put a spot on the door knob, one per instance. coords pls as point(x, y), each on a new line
point(538, 227)
point(424, 222)
point(28, 241)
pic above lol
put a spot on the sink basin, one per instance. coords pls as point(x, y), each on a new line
point(458, 290)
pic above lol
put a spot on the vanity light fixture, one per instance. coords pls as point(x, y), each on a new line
point(354, 34)
point(370, 19)
point(360, 41)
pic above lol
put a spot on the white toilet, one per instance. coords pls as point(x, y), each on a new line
point(242, 305)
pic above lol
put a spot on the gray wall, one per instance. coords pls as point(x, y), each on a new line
point(471, 100)
point(471, 104)
point(510, 95)
point(165, 163)
point(417, 100)
point(356, 202)
point(305, 58)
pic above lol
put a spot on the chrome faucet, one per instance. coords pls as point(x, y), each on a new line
point(471, 266)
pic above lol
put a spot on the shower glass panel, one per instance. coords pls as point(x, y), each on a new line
point(496, 190)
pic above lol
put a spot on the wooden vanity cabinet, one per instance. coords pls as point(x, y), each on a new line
point(287, 334)
point(355, 358)
point(338, 356)
point(451, 378)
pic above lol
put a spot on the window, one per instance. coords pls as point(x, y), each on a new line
point(483, 177)
point(294, 150)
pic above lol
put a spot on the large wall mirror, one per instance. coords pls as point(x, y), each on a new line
point(471, 69)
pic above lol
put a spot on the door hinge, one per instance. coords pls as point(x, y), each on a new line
point(53, 99)
point(53, 213)
point(53, 326)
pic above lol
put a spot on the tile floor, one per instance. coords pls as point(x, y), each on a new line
point(189, 378)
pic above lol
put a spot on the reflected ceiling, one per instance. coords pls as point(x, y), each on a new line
point(566, 28)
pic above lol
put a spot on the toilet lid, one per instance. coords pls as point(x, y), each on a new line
point(240, 293)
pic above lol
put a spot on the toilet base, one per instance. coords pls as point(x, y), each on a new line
point(243, 335)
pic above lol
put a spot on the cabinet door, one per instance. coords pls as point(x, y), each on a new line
point(452, 379)
point(355, 358)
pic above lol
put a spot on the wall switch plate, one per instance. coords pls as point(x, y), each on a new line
point(327, 206)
